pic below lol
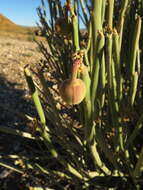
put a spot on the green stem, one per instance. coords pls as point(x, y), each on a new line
point(75, 28)
point(103, 10)
point(112, 95)
point(96, 67)
point(103, 81)
point(96, 158)
point(96, 20)
point(135, 45)
point(75, 34)
point(110, 13)
point(87, 104)
point(139, 164)
point(117, 65)
point(35, 96)
point(121, 20)
point(11, 166)
point(133, 91)
point(84, 11)
point(44, 134)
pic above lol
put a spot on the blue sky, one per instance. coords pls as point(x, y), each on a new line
point(21, 12)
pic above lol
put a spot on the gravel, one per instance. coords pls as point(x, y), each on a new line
point(15, 101)
point(14, 96)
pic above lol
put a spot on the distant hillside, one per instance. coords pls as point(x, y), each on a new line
point(5, 21)
point(9, 28)
point(7, 25)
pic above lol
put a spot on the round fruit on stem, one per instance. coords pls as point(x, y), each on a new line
point(73, 90)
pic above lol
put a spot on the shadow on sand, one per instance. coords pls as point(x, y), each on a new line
point(14, 104)
point(13, 107)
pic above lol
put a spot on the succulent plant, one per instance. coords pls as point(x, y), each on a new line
point(98, 144)
point(73, 90)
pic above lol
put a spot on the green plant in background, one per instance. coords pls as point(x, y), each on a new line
point(90, 117)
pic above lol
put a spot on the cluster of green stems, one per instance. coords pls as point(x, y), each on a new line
point(105, 85)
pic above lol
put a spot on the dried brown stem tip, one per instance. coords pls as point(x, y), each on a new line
point(63, 27)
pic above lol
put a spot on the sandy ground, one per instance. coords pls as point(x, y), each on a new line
point(14, 99)
point(14, 54)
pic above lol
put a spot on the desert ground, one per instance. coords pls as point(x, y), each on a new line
point(17, 49)
point(14, 55)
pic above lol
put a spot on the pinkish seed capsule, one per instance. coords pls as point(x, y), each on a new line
point(73, 91)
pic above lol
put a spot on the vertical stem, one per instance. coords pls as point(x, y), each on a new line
point(117, 64)
point(112, 94)
point(138, 61)
point(96, 20)
point(51, 13)
point(103, 10)
point(103, 80)
point(35, 96)
point(87, 104)
point(75, 27)
point(75, 33)
point(134, 84)
point(120, 25)
point(84, 11)
point(109, 62)
point(135, 45)
point(96, 66)
point(110, 13)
